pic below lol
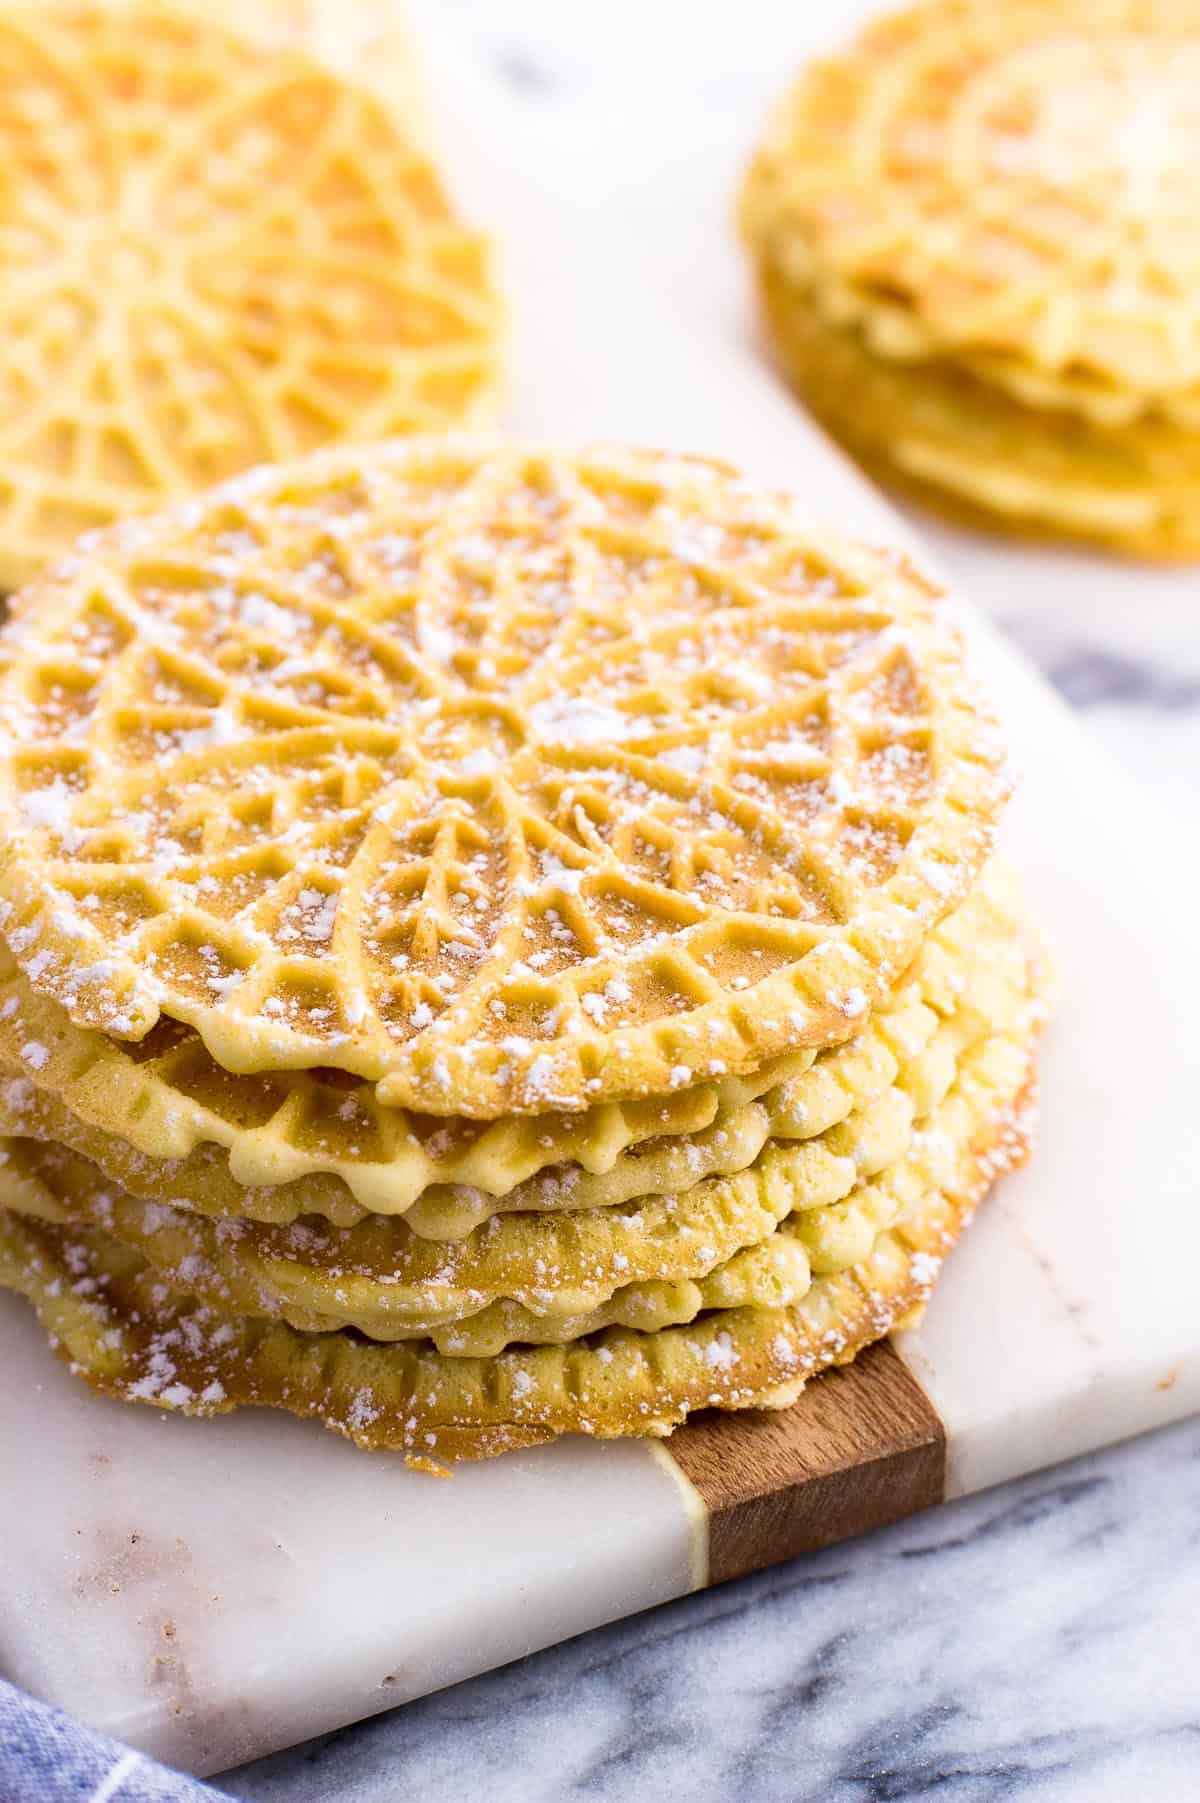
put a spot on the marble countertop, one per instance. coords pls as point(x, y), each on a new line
point(1041, 1641)
point(1038, 1642)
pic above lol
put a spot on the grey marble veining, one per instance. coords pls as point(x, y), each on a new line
point(1040, 1642)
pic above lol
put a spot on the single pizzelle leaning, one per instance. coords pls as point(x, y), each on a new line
point(216, 251)
point(368, 40)
point(517, 781)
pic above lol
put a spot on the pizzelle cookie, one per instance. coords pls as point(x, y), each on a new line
point(515, 782)
point(550, 1278)
point(368, 40)
point(496, 943)
point(560, 1275)
point(213, 253)
point(985, 216)
point(982, 456)
point(121, 1328)
point(166, 1122)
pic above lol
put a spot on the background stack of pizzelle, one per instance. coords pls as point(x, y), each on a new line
point(498, 943)
point(977, 236)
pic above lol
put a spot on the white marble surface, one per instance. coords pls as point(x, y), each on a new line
point(1041, 1641)
point(1037, 1644)
point(158, 1575)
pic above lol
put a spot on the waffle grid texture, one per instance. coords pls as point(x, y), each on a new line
point(165, 1121)
point(498, 943)
point(214, 250)
point(548, 1276)
point(510, 781)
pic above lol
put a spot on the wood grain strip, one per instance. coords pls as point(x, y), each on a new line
point(862, 1447)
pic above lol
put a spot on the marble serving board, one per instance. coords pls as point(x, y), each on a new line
point(214, 1590)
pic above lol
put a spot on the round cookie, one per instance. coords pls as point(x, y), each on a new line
point(557, 1276)
point(111, 1318)
point(213, 253)
point(367, 40)
point(512, 780)
point(165, 1122)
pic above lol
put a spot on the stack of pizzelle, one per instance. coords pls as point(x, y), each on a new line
point(498, 943)
point(977, 238)
point(217, 249)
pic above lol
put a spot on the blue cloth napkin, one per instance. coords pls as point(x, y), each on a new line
point(46, 1757)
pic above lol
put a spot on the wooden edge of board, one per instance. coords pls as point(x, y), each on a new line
point(862, 1447)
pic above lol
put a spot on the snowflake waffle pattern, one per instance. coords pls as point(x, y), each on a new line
point(213, 253)
point(507, 779)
